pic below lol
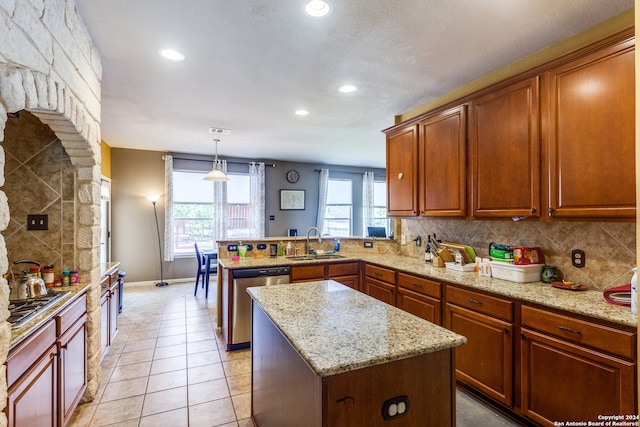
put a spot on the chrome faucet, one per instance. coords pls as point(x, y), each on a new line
point(308, 247)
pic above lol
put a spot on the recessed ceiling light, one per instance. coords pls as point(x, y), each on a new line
point(347, 89)
point(317, 8)
point(302, 112)
point(171, 54)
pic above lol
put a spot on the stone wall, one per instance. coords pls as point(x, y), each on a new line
point(49, 66)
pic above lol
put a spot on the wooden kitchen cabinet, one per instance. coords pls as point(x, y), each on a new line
point(443, 164)
point(380, 283)
point(574, 369)
point(109, 306)
point(591, 135)
point(32, 379)
point(347, 273)
point(505, 145)
point(485, 363)
point(402, 171)
point(420, 297)
point(72, 341)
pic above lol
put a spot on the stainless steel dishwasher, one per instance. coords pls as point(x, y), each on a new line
point(241, 301)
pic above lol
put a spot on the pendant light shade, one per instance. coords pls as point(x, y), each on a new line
point(216, 174)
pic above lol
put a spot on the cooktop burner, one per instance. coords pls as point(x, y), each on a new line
point(23, 311)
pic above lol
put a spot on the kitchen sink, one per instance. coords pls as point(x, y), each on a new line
point(314, 257)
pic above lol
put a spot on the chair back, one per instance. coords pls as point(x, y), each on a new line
point(199, 255)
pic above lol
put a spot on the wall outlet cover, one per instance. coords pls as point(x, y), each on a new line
point(37, 222)
point(368, 244)
point(232, 248)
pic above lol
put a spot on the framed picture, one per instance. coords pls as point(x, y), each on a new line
point(291, 200)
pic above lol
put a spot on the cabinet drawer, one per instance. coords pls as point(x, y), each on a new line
point(310, 272)
point(69, 315)
point(604, 338)
point(420, 285)
point(380, 273)
point(21, 358)
point(497, 307)
point(343, 269)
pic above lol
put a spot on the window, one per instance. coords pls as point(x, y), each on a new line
point(337, 219)
point(193, 211)
point(380, 205)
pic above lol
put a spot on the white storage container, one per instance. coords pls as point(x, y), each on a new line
point(516, 273)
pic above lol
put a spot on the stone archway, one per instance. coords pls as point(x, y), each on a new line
point(57, 107)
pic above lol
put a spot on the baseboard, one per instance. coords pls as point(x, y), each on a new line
point(170, 282)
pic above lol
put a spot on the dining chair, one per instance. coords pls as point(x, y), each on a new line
point(202, 268)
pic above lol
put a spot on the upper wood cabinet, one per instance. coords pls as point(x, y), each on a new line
point(504, 145)
point(443, 164)
point(402, 171)
point(590, 138)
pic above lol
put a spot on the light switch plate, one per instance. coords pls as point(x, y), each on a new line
point(368, 245)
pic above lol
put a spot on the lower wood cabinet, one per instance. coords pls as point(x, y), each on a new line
point(419, 296)
point(347, 273)
point(380, 283)
point(47, 372)
point(109, 306)
point(574, 369)
point(486, 361)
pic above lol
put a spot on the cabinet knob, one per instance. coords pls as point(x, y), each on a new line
point(551, 210)
point(400, 176)
point(533, 210)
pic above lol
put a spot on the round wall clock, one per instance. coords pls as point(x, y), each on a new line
point(293, 176)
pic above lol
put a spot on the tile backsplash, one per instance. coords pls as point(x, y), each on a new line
point(39, 179)
point(610, 247)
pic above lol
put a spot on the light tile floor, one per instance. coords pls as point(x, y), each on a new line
point(168, 367)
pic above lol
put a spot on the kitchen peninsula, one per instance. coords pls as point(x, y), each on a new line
point(338, 357)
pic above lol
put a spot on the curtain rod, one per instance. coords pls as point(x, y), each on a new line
point(211, 161)
point(339, 171)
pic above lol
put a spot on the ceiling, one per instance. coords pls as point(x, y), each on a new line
point(251, 64)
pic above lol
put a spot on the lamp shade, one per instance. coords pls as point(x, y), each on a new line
point(153, 198)
point(216, 175)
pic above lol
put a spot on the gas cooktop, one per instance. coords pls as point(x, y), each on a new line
point(23, 311)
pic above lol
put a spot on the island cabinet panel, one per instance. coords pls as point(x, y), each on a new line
point(443, 164)
point(591, 111)
point(402, 171)
point(419, 296)
point(505, 160)
point(588, 368)
point(356, 398)
point(486, 362)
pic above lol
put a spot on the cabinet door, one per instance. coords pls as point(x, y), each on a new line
point(113, 312)
point(32, 400)
point(402, 172)
point(351, 281)
point(486, 361)
point(505, 149)
point(73, 368)
point(104, 322)
point(443, 168)
point(306, 273)
point(419, 305)
point(562, 381)
point(380, 290)
point(591, 135)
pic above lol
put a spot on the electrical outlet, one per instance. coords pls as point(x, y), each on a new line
point(368, 245)
point(232, 248)
point(395, 407)
point(418, 241)
point(578, 258)
point(261, 246)
point(37, 222)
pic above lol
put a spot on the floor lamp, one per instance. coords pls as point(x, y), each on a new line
point(153, 199)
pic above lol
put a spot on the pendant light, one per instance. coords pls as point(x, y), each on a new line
point(216, 174)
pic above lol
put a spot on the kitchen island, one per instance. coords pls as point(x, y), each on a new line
point(326, 355)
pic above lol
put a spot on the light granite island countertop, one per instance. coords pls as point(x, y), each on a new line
point(339, 356)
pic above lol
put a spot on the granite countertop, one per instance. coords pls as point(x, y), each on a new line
point(108, 268)
point(336, 329)
point(589, 303)
point(19, 334)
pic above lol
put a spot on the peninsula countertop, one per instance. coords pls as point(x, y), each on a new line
point(588, 303)
point(336, 329)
